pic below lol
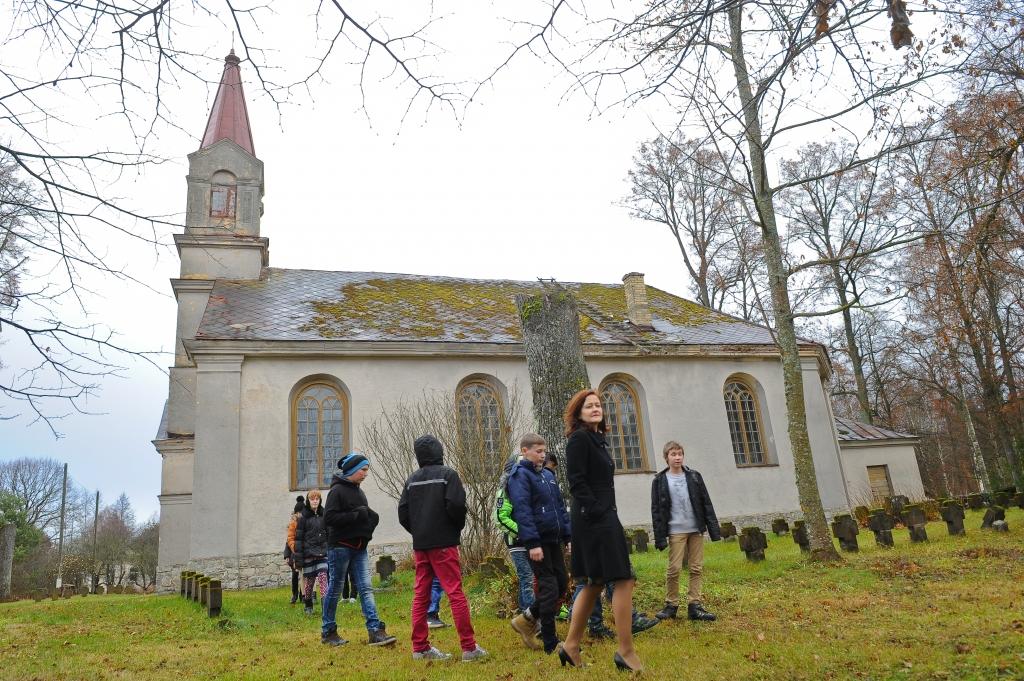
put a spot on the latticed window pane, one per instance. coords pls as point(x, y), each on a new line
point(332, 438)
point(306, 427)
point(623, 420)
point(320, 435)
point(744, 424)
point(480, 417)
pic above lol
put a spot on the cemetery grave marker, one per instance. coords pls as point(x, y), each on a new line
point(780, 527)
point(953, 515)
point(993, 514)
point(844, 528)
point(881, 523)
point(914, 520)
point(753, 543)
point(800, 536)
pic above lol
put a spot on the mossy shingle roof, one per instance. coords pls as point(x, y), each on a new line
point(299, 305)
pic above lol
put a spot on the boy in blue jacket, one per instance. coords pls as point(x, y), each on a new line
point(539, 512)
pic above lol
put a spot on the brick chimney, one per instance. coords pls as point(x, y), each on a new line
point(636, 300)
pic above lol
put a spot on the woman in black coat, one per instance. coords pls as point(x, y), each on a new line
point(600, 553)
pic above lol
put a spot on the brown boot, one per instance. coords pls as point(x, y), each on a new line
point(523, 625)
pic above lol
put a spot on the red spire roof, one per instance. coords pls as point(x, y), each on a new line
point(229, 119)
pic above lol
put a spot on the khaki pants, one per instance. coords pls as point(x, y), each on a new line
point(688, 547)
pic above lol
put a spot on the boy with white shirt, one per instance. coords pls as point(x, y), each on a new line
point(681, 512)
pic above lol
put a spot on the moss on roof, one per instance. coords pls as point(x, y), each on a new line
point(426, 307)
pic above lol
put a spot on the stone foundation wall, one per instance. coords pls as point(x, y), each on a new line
point(255, 571)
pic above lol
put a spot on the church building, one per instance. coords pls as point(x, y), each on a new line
point(276, 371)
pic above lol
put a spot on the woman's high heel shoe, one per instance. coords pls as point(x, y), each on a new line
point(622, 665)
point(563, 657)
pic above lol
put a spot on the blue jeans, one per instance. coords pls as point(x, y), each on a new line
point(357, 563)
point(524, 572)
point(435, 597)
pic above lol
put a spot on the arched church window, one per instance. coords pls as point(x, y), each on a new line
point(320, 419)
point(479, 416)
point(622, 416)
point(743, 414)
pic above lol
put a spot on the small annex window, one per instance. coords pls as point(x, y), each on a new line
point(625, 433)
point(479, 416)
point(320, 428)
point(743, 413)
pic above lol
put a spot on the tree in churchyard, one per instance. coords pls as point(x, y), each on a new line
point(36, 483)
point(965, 188)
point(480, 431)
point(143, 551)
point(27, 536)
point(689, 189)
point(550, 324)
point(846, 221)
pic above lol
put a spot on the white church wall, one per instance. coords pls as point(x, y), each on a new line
point(680, 400)
point(265, 474)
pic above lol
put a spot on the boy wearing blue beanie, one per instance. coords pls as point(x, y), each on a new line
point(350, 524)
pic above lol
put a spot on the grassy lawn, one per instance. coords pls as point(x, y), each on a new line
point(949, 609)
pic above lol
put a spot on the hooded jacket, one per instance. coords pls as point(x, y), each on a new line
point(433, 503)
point(537, 506)
point(310, 537)
point(349, 519)
point(661, 506)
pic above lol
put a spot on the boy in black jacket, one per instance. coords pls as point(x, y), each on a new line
point(350, 524)
point(433, 510)
point(681, 512)
point(543, 524)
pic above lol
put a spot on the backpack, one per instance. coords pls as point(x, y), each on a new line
point(503, 506)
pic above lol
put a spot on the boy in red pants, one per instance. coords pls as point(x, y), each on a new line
point(433, 510)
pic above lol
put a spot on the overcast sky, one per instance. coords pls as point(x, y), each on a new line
point(524, 183)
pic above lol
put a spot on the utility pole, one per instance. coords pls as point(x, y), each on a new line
point(60, 541)
point(95, 524)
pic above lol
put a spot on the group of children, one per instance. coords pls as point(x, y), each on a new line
point(327, 544)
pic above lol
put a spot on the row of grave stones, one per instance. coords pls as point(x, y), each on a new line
point(68, 590)
point(204, 590)
point(845, 527)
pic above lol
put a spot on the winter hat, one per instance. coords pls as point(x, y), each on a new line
point(352, 463)
point(300, 503)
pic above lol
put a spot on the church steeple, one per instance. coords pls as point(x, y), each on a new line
point(229, 118)
point(225, 179)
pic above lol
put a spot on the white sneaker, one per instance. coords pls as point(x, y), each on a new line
point(475, 654)
point(432, 653)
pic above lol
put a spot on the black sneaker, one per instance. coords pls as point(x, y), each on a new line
point(332, 638)
point(643, 623)
point(601, 631)
point(668, 612)
point(696, 611)
point(381, 638)
point(435, 622)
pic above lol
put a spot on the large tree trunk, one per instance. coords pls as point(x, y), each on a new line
point(554, 358)
point(822, 548)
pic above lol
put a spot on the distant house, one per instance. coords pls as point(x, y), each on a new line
point(276, 370)
point(877, 463)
